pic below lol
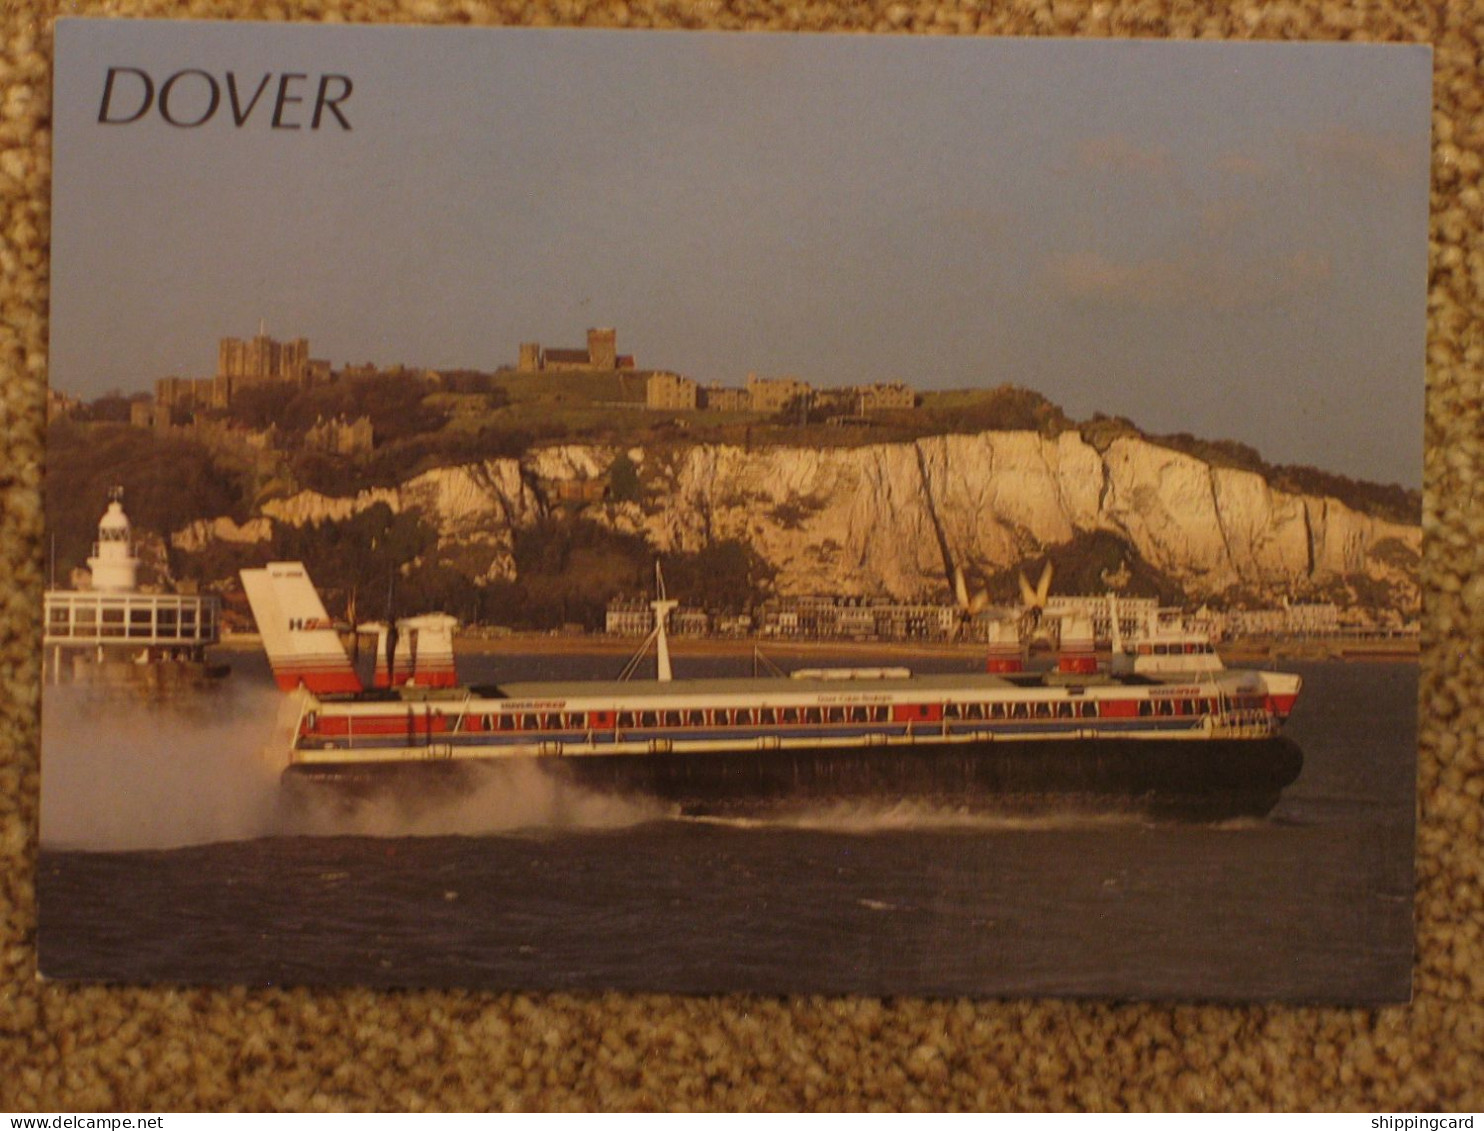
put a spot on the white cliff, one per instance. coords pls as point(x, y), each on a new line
point(889, 519)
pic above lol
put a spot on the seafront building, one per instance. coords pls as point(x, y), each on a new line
point(1133, 612)
point(824, 617)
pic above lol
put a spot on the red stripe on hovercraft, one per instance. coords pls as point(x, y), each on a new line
point(316, 679)
point(1281, 705)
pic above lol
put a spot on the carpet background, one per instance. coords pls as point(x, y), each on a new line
point(93, 1047)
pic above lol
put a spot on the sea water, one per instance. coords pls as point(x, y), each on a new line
point(167, 855)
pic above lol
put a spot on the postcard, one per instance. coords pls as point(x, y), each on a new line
point(564, 509)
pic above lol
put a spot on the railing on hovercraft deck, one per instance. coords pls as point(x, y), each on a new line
point(1250, 723)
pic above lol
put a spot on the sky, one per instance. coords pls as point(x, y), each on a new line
point(1222, 239)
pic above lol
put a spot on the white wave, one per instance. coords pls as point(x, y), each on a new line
point(867, 817)
point(120, 775)
point(514, 797)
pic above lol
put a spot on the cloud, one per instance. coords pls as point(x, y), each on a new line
point(1356, 153)
point(1118, 154)
point(1192, 279)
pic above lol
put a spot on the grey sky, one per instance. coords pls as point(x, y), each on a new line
point(1225, 239)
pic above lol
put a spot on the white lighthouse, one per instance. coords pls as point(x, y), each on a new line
point(115, 568)
point(111, 635)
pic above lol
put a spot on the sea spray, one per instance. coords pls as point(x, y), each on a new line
point(887, 815)
point(121, 775)
point(510, 797)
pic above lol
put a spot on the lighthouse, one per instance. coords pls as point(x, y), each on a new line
point(112, 636)
point(113, 564)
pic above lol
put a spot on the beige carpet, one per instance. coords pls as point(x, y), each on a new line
point(121, 1048)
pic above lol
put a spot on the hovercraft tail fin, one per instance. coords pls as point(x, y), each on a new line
point(302, 645)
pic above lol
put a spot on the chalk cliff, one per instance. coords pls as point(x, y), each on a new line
point(893, 519)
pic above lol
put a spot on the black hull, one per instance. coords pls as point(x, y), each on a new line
point(1196, 780)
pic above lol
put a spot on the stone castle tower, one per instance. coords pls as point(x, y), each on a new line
point(602, 348)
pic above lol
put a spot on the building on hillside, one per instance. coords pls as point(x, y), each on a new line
point(600, 356)
point(59, 406)
point(772, 394)
point(670, 391)
point(263, 360)
point(340, 436)
point(184, 395)
point(722, 398)
point(241, 364)
point(370, 369)
point(874, 398)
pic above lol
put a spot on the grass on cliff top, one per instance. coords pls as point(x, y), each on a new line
point(609, 408)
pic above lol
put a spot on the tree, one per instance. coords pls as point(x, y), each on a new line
point(623, 480)
point(169, 482)
point(357, 563)
point(727, 576)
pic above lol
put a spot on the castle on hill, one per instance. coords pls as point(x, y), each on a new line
point(600, 356)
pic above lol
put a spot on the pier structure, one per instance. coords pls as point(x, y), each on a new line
point(111, 634)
